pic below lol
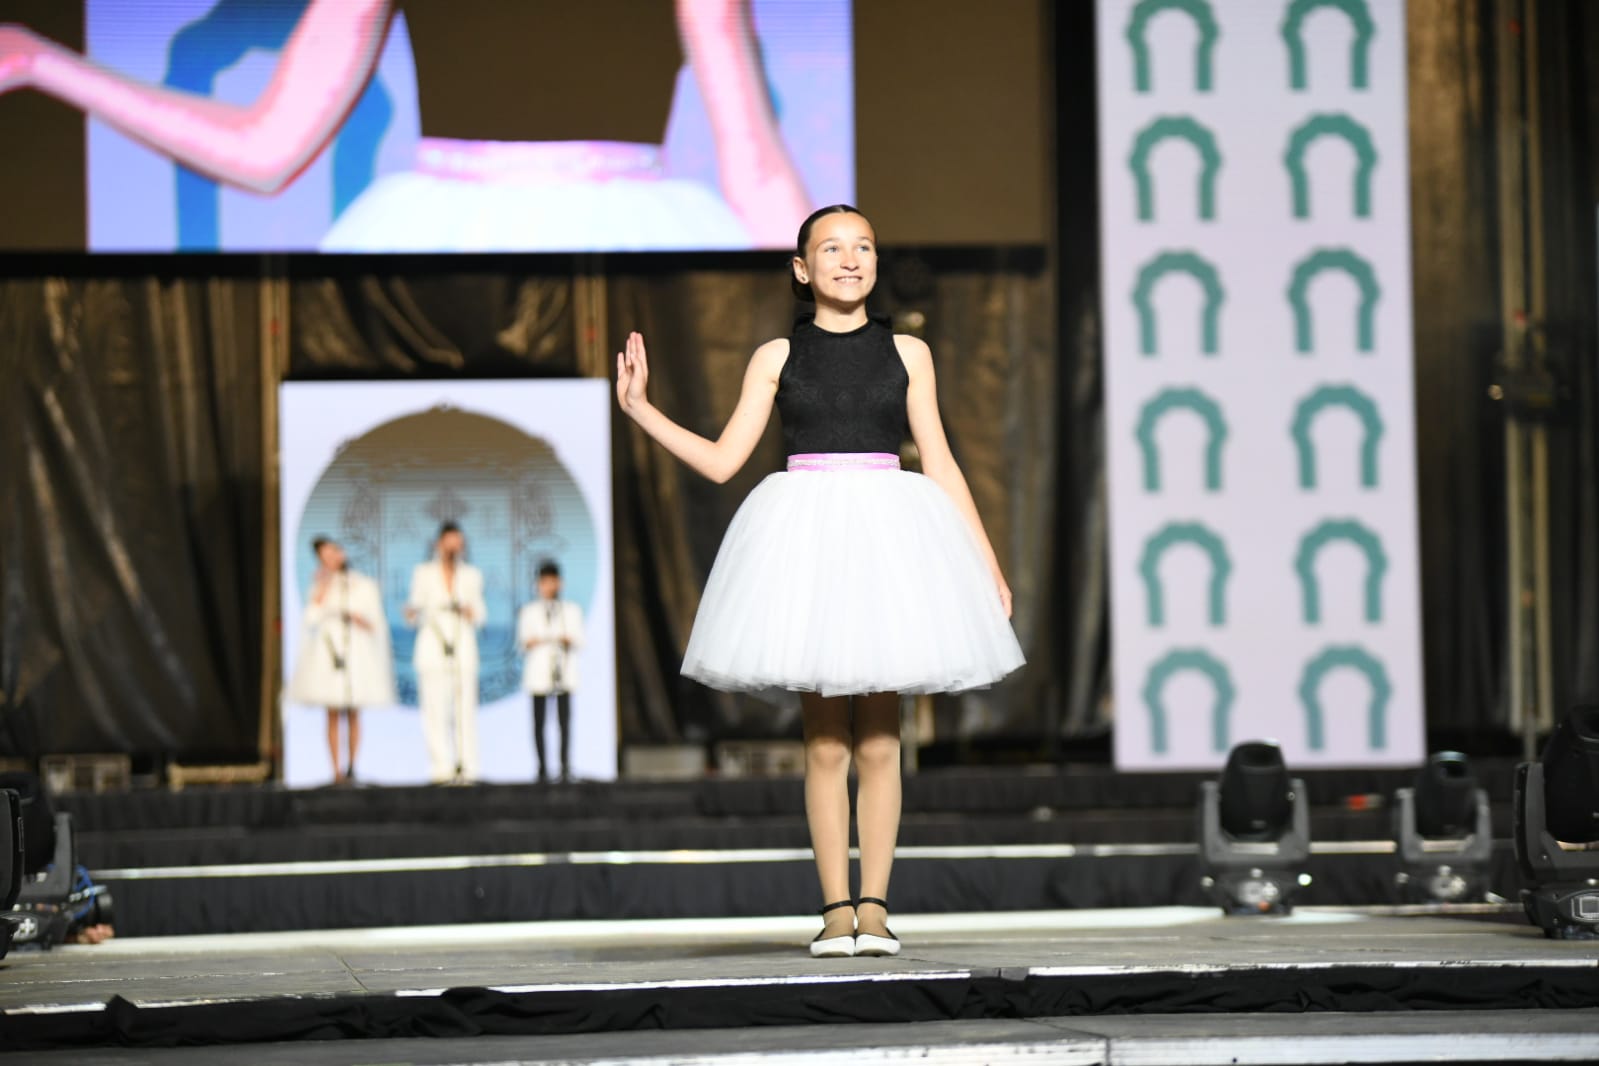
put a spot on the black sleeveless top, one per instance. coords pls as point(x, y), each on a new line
point(511, 70)
point(842, 392)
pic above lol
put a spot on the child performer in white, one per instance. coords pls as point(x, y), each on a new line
point(346, 662)
point(549, 631)
point(843, 578)
point(446, 605)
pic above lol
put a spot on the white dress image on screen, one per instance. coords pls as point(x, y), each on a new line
point(342, 662)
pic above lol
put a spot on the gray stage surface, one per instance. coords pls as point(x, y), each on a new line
point(1052, 982)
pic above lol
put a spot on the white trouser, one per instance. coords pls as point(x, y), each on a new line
point(449, 725)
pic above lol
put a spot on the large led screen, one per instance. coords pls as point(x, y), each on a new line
point(423, 126)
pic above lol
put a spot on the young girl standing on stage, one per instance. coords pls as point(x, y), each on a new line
point(844, 578)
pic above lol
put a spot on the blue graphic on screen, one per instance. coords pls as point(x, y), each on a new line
point(210, 45)
point(385, 494)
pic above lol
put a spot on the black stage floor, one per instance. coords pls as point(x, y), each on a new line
point(1077, 969)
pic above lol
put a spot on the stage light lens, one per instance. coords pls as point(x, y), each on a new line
point(1259, 893)
point(1446, 886)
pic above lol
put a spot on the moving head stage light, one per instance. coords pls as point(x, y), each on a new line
point(11, 863)
point(54, 898)
point(1557, 830)
point(1254, 832)
point(1444, 834)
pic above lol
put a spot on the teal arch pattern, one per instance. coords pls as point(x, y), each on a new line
point(1176, 662)
point(1359, 50)
point(1364, 409)
point(1207, 409)
point(1182, 128)
point(1138, 37)
point(1364, 277)
point(1179, 263)
point(1206, 541)
point(1359, 139)
point(1355, 658)
point(1361, 537)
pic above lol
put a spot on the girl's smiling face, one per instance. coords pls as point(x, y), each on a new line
point(840, 262)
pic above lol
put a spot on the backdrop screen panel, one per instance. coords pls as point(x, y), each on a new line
point(524, 468)
point(457, 125)
point(1255, 226)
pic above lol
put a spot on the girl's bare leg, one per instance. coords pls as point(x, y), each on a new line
point(877, 804)
point(827, 754)
point(333, 744)
point(352, 718)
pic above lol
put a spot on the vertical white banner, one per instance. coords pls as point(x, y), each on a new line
point(524, 467)
point(1258, 350)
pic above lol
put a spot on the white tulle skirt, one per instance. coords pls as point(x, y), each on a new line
point(850, 581)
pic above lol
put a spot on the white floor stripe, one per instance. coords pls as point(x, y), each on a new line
point(803, 927)
point(685, 856)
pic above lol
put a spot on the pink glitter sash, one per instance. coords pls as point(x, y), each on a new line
point(843, 461)
point(537, 161)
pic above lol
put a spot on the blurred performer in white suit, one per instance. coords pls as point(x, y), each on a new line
point(346, 662)
point(550, 631)
point(446, 606)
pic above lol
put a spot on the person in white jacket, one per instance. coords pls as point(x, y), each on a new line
point(446, 607)
point(550, 631)
point(346, 661)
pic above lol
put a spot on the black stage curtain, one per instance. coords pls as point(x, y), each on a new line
point(131, 527)
point(1568, 76)
point(1460, 447)
point(1457, 145)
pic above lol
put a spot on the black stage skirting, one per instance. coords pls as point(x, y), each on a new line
point(963, 791)
point(556, 889)
point(416, 856)
point(465, 1012)
point(1071, 806)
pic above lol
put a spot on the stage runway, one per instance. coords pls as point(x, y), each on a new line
point(1014, 980)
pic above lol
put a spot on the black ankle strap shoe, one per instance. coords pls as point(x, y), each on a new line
point(870, 943)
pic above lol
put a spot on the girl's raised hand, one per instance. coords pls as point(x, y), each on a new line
point(20, 47)
point(632, 373)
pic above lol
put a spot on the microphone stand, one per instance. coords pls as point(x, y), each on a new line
point(455, 695)
point(349, 656)
point(558, 687)
point(455, 677)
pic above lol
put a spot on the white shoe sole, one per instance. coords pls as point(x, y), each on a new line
point(834, 947)
point(867, 944)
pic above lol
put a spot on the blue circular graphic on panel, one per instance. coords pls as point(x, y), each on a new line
point(385, 494)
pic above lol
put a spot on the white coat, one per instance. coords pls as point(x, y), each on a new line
point(547, 621)
point(439, 628)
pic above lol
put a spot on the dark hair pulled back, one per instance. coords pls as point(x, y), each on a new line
point(803, 291)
